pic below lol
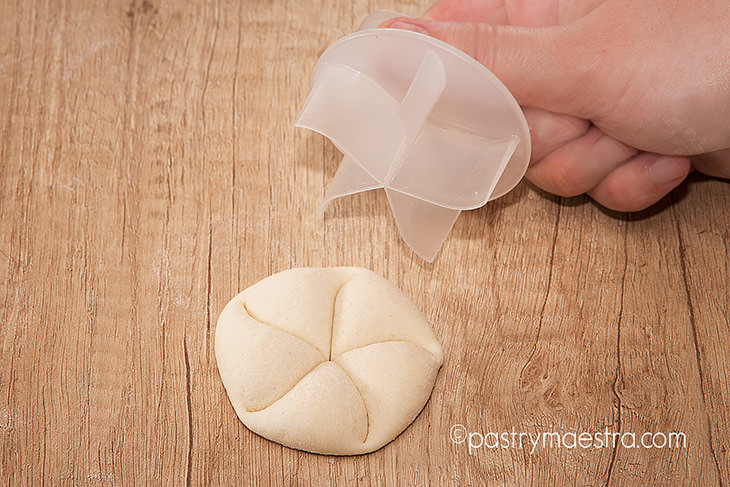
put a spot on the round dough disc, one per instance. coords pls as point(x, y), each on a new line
point(335, 361)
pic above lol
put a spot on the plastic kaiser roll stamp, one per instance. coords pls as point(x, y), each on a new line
point(422, 120)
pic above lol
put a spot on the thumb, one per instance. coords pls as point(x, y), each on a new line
point(545, 67)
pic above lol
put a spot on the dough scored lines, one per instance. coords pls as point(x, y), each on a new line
point(251, 315)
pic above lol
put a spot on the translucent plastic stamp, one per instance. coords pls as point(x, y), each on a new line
point(422, 120)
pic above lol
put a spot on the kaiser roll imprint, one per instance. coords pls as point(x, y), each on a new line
point(334, 361)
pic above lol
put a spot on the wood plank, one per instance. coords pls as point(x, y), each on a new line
point(150, 170)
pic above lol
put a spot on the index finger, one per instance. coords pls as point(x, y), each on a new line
point(488, 11)
point(519, 13)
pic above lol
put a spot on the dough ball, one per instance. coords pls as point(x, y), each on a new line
point(336, 361)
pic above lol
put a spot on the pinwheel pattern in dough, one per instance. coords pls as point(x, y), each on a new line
point(335, 360)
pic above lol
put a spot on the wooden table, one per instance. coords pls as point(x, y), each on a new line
point(150, 170)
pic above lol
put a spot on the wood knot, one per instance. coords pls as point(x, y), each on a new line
point(147, 8)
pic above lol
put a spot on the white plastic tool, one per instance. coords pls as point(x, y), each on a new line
point(420, 119)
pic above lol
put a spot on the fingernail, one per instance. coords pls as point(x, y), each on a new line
point(666, 170)
point(403, 25)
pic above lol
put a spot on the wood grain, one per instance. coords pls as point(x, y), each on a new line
point(150, 170)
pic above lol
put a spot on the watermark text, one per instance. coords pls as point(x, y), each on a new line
point(476, 440)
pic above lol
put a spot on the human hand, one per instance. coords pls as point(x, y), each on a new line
point(618, 95)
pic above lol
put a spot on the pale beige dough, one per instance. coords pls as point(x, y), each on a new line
point(336, 361)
